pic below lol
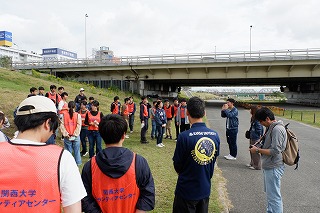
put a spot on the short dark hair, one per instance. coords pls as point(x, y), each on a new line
point(32, 89)
point(116, 98)
point(41, 88)
point(158, 104)
point(143, 97)
point(32, 121)
point(112, 127)
point(64, 94)
point(264, 113)
point(231, 100)
point(53, 87)
point(91, 98)
point(95, 103)
point(196, 107)
point(83, 102)
point(183, 100)
point(126, 99)
point(60, 88)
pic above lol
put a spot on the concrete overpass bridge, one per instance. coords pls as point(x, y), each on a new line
point(298, 71)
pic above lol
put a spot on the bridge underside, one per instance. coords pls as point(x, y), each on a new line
point(299, 77)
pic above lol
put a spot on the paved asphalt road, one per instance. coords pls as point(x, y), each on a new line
point(300, 188)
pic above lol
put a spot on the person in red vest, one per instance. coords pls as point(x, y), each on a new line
point(125, 111)
point(182, 117)
point(117, 179)
point(132, 110)
point(176, 105)
point(53, 95)
point(63, 104)
point(144, 117)
point(84, 128)
point(38, 177)
point(93, 119)
point(116, 106)
point(70, 128)
point(169, 113)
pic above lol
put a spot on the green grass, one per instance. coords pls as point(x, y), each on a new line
point(308, 117)
point(15, 87)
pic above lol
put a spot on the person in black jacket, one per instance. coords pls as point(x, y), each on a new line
point(111, 167)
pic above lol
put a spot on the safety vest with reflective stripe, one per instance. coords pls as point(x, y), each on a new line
point(31, 181)
point(115, 194)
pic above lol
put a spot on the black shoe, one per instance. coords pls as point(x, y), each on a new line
point(166, 137)
point(170, 137)
point(144, 141)
point(152, 137)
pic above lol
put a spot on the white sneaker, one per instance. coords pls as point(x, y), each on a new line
point(159, 145)
point(127, 136)
point(131, 131)
point(162, 144)
point(230, 157)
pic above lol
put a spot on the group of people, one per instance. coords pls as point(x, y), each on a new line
point(265, 147)
point(114, 180)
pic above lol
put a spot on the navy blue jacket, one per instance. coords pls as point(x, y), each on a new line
point(160, 117)
point(232, 121)
point(194, 157)
point(256, 130)
point(115, 162)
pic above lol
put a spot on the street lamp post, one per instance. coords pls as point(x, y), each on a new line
point(250, 39)
point(85, 34)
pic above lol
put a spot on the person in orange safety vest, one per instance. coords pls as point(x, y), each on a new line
point(117, 179)
point(38, 177)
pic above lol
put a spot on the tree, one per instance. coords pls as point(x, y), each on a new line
point(5, 61)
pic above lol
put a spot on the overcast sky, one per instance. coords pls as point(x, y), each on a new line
point(150, 27)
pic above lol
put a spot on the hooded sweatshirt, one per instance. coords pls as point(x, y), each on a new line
point(115, 162)
point(276, 141)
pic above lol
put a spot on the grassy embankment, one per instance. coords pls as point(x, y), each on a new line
point(15, 87)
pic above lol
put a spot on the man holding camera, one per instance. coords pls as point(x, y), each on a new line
point(274, 142)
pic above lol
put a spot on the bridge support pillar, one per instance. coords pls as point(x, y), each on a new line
point(153, 90)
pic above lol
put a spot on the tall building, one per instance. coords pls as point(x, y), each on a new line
point(15, 54)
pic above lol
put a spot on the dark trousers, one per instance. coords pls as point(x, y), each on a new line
point(190, 206)
point(160, 134)
point(184, 126)
point(232, 141)
point(131, 121)
point(83, 135)
point(144, 129)
point(177, 129)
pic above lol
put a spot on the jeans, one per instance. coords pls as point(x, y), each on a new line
point(94, 140)
point(160, 134)
point(83, 135)
point(153, 129)
point(131, 121)
point(232, 141)
point(73, 146)
point(272, 187)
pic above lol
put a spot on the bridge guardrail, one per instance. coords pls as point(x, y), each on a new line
point(277, 55)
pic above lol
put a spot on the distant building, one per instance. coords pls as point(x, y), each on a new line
point(103, 53)
point(53, 54)
point(15, 54)
point(19, 55)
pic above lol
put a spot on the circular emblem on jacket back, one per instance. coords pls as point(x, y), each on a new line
point(204, 151)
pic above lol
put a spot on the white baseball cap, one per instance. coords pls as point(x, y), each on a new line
point(81, 89)
point(38, 103)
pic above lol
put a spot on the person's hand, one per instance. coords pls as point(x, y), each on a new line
point(224, 106)
point(253, 149)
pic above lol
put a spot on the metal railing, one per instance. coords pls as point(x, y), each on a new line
point(245, 56)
